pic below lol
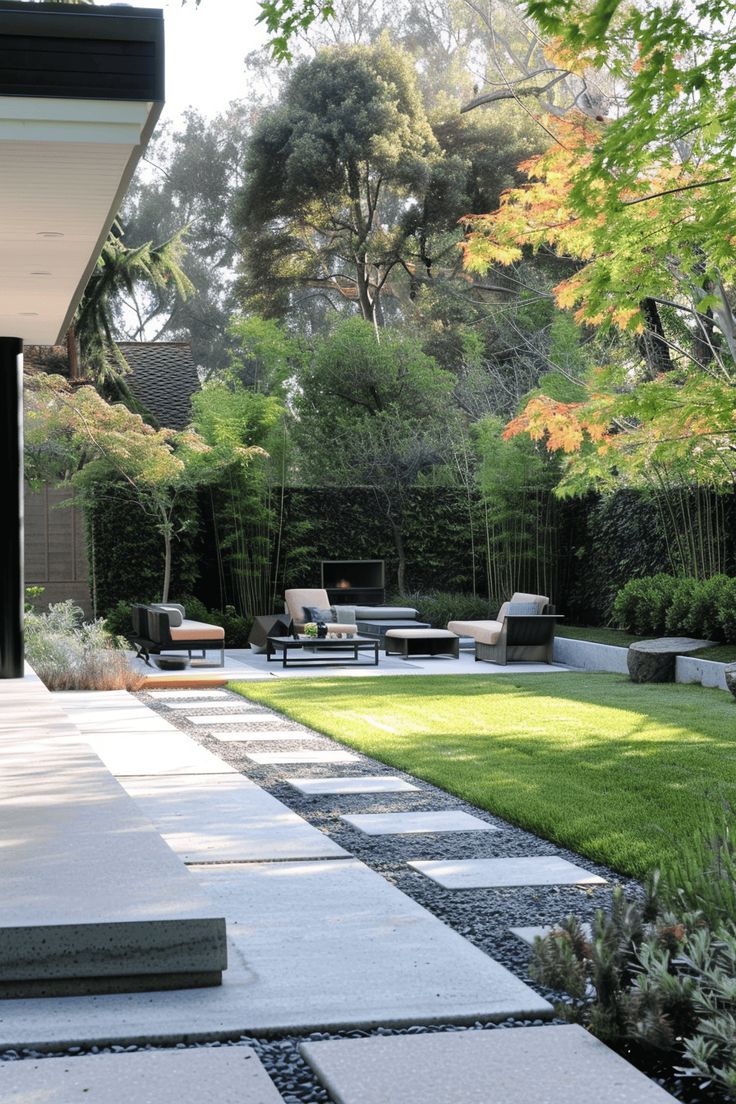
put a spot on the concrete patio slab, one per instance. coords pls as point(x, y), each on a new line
point(75, 913)
point(314, 946)
point(527, 1065)
point(276, 757)
point(229, 1075)
point(219, 818)
point(449, 820)
point(357, 784)
point(125, 753)
point(497, 873)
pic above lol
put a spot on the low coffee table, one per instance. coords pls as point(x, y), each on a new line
point(302, 644)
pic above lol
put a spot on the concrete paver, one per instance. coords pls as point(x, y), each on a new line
point(219, 818)
point(229, 1075)
point(313, 946)
point(276, 757)
point(356, 784)
point(492, 873)
point(526, 1065)
point(449, 820)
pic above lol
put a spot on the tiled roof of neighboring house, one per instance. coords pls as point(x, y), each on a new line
point(163, 378)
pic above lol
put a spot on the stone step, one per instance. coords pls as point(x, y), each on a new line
point(229, 1075)
point(537, 870)
point(267, 735)
point(75, 914)
point(220, 818)
point(523, 1065)
point(237, 715)
point(448, 820)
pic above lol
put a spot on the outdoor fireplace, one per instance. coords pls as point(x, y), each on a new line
point(354, 582)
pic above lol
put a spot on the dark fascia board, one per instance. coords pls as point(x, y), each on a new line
point(113, 23)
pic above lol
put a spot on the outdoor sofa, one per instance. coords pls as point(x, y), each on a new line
point(524, 630)
point(305, 605)
point(161, 628)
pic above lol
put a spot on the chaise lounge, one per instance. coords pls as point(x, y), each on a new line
point(160, 628)
point(524, 631)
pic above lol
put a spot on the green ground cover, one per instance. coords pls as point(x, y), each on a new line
point(614, 770)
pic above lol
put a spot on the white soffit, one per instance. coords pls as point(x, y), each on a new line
point(64, 167)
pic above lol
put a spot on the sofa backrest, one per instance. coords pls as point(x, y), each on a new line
point(297, 599)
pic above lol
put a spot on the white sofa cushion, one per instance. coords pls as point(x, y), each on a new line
point(485, 632)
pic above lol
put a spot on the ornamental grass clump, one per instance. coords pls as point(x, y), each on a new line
point(68, 653)
point(659, 974)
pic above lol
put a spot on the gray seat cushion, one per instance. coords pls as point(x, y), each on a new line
point(385, 613)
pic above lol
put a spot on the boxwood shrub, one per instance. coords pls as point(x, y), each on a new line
point(658, 604)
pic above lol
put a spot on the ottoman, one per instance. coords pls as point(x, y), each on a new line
point(418, 642)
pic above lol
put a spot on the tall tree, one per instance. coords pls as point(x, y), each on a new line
point(328, 171)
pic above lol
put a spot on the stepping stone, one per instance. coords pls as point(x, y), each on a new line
point(314, 946)
point(230, 1075)
point(496, 873)
point(233, 718)
point(221, 818)
point(525, 1065)
point(286, 735)
point(528, 935)
point(266, 757)
point(359, 784)
point(385, 824)
point(225, 703)
point(180, 695)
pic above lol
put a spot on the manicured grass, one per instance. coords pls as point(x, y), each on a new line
point(614, 770)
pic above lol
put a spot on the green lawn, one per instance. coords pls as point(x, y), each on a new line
point(614, 770)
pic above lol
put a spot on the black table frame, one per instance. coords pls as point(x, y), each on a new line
point(356, 644)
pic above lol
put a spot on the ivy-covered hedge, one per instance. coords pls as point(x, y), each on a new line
point(600, 545)
point(659, 604)
point(126, 554)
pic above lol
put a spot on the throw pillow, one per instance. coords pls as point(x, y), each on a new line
point(344, 615)
point(314, 613)
point(174, 612)
point(521, 608)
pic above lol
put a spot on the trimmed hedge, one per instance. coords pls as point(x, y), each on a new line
point(664, 604)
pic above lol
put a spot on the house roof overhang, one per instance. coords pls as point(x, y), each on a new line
point(81, 89)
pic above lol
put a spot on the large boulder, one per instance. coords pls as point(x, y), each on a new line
point(655, 660)
point(730, 674)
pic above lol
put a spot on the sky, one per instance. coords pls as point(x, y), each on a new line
point(205, 47)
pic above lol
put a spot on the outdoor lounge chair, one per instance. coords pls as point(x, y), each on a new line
point(523, 632)
point(165, 628)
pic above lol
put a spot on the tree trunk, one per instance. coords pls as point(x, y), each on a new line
point(72, 353)
point(400, 554)
point(652, 343)
point(167, 565)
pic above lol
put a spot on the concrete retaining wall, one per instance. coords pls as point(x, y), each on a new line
point(609, 658)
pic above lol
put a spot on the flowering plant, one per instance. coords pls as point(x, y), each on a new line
point(310, 629)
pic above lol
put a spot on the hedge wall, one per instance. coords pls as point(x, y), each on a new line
point(600, 545)
point(126, 554)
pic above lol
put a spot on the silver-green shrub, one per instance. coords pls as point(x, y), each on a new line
point(68, 653)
